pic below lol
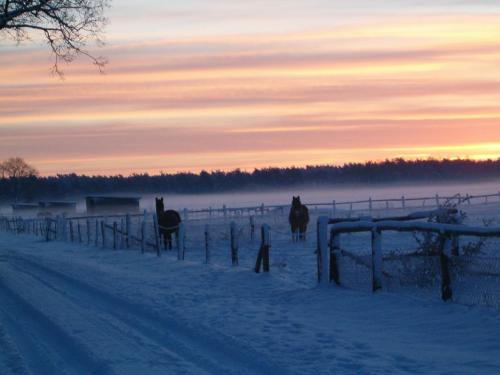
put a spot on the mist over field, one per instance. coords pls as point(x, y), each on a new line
point(310, 195)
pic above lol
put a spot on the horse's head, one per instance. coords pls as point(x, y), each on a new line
point(296, 202)
point(159, 205)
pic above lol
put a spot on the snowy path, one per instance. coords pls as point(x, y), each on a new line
point(69, 309)
point(61, 324)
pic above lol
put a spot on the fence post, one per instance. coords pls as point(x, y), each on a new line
point(252, 227)
point(322, 251)
point(96, 239)
point(47, 229)
point(71, 230)
point(180, 243)
point(87, 222)
point(57, 228)
point(157, 234)
point(103, 233)
point(262, 209)
point(79, 230)
point(403, 202)
point(376, 259)
point(186, 214)
point(127, 236)
point(207, 244)
point(115, 242)
point(122, 233)
point(234, 243)
point(143, 236)
point(63, 226)
point(334, 208)
point(263, 254)
point(437, 200)
point(334, 249)
point(370, 205)
point(224, 210)
point(445, 253)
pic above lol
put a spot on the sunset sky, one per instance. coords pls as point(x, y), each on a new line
point(199, 84)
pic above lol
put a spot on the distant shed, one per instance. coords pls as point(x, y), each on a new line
point(25, 208)
point(57, 207)
point(107, 205)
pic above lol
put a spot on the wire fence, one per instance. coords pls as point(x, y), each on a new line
point(241, 240)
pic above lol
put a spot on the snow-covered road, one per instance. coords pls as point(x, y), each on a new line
point(75, 310)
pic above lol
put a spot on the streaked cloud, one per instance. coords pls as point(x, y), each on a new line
point(376, 85)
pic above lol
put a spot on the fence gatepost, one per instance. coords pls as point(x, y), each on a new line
point(181, 242)
point(376, 259)
point(322, 251)
point(263, 254)
point(234, 243)
point(445, 253)
point(207, 244)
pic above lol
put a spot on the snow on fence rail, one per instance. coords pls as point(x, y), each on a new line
point(329, 248)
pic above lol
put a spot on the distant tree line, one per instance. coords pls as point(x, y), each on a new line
point(32, 186)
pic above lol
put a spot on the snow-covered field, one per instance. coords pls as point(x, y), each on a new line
point(67, 308)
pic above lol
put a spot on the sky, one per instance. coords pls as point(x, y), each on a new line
point(215, 85)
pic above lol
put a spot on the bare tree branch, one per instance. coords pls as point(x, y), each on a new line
point(67, 25)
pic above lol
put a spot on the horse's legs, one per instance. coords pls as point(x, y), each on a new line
point(302, 235)
point(168, 240)
point(294, 232)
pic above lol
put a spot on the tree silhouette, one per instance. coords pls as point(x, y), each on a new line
point(66, 25)
point(16, 169)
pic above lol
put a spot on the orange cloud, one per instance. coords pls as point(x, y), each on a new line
point(422, 86)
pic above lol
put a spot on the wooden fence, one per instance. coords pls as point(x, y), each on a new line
point(329, 248)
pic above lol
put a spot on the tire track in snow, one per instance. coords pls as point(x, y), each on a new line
point(46, 348)
point(221, 355)
point(11, 361)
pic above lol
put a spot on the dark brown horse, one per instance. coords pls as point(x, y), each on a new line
point(298, 219)
point(168, 222)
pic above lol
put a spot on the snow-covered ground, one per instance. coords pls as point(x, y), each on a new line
point(68, 308)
